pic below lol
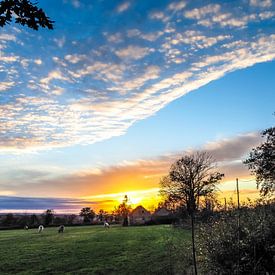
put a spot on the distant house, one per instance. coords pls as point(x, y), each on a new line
point(140, 215)
point(162, 212)
point(162, 215)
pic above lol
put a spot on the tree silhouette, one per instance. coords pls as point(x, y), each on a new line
point(261, 163)
point(190, 178)
point(87, 213)
point(102, 215)
point(123, 210)
point(25, 13)
point(48, 216)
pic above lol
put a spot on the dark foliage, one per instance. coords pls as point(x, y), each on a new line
point(48, 217)
point(25, 13)
point(88, 214)
point(261, 163)
point(220, 251)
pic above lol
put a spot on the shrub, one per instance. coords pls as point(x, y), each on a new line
point(221, 252)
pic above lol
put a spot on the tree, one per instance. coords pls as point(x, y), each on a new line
point(123, 210)
point(261, 163)
point(88, 214)
point(190, 178)
point(34, 220)
point(48, 216)
point(25, 13)
point(9, 220)
point(102, 215)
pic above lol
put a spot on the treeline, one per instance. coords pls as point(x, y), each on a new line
point(13, 221)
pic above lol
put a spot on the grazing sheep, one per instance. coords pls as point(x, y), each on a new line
point(61, 229)
point(106, 225)
point(40, 228)
point(26, 227)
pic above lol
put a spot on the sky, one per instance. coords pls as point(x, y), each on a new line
point(102, 105)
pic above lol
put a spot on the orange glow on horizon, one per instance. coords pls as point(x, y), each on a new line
point(149, 198)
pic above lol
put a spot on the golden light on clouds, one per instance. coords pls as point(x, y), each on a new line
point(148, 198)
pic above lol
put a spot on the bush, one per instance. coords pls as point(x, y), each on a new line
point(221, 253)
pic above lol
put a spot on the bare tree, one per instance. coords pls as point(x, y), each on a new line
point(190, 178)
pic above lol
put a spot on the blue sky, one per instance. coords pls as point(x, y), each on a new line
point(117, 83)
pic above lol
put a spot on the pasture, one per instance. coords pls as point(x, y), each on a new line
point(92, 250)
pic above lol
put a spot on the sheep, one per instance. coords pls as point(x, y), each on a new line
point(40, 228)
point(61, 229)
point(106, 225)
point(26, 227)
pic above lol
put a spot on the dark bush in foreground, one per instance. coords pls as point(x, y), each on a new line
point(254, 253)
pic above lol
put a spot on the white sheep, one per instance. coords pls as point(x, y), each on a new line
point(106, 225)
point(40, 228)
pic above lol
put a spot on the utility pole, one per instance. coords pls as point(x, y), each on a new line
point(238, 193)
point(225, 205)
point(239, 226)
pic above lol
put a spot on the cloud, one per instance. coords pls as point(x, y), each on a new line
point(7, 37)
point(35, 204)
point(197, 39)
point(151, 36)
point(141, 174)
point(5, 86)
point(202, 12)
point(53, 75)
point(106, 80)
point(74, 58)
point(261, 3)
point(60, 42)
point(212, 14)
point(123, 7)
point(158, 15)
point(9, 59)
point(38, 61)
point(133, 52)
point(177, 6)
point(76, 3)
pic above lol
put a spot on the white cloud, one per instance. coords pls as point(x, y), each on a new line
point(53, 75)
point(123, 7)
point(177, 6)
point(150, 36)
point(7, 37)
point(212, 14)
point(199, 13)
point(9, 59)
point(133, 52)
point(38, 61)
point(5, 85)
point(75, 58)
point(159, 15)
point(261, 3)
point(60, 42)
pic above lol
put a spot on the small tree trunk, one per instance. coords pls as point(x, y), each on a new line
point(193, 243)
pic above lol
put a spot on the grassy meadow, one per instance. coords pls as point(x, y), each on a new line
point(92, 250)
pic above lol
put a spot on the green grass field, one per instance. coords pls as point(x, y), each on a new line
point(91, 250)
